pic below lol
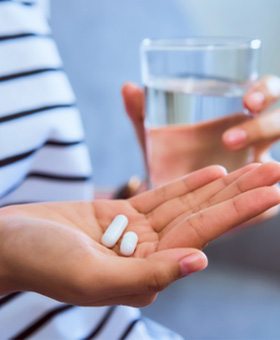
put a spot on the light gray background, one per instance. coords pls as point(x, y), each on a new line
point(238, 296)
point(99, 42)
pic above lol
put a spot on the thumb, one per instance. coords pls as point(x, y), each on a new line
point(133, 98)
point(173, 264)
point(157, 271)
point(263, 128)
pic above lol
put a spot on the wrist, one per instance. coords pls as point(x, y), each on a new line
point(7, 282)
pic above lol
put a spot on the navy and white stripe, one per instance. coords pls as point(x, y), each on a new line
point(37, 105)
point(16, 18)
point(43, 157)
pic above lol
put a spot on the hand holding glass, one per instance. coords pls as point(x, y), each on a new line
point(194, 92)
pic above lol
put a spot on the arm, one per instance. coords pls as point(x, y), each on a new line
point(54, 248)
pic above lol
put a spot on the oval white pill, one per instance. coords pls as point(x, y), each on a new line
point(114, 231)
point(129, 243)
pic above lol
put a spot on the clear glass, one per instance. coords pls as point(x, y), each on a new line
point(194, 90)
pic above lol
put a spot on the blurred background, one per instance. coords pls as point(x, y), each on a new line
point(238, 297)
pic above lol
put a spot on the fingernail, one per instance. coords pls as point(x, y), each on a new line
point(273, 86)
point(256, 100)
point(235, 136)
point(193, 263)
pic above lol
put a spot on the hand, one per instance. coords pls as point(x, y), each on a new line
point(260, 132)
point(54, 248)
point(264, 129)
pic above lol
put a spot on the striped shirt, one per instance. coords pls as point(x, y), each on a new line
point(43, 157)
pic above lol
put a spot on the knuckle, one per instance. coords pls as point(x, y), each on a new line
point(258, 128)
point(159, 280)
point(188, 201)
point(225, 181)
point(271, 120)
point(187, 184)
point(207, 203)
point(239, 187)
point(164, 192)
point(196, 225)
point(266, 125)
point(236, 206)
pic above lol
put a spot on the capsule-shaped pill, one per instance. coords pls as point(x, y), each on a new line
point(128, 243)
point(114, 231)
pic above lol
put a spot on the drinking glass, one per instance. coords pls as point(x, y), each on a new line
point(193, 92)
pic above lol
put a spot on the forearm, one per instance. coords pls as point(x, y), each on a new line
point(7, 284)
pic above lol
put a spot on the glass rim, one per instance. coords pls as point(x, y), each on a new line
point(200, 43)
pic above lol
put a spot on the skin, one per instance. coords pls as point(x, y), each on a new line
point(54, 248)
point(260, 132)
point(264, 129)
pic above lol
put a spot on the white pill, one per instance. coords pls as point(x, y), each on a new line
point(114, 231)
point(129, 243)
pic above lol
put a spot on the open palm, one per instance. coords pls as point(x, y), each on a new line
point(172, 222)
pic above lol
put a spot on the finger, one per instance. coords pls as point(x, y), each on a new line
point(149, 200)
point(263, 128)
point(128, 276)
point(172, 210)
point(263, 175)
point(262, 94)
point(268, 214)
point(133, 98)
point(207, 225)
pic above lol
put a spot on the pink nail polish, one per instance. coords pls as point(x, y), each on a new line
point(193, 263)
point(235, 136)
